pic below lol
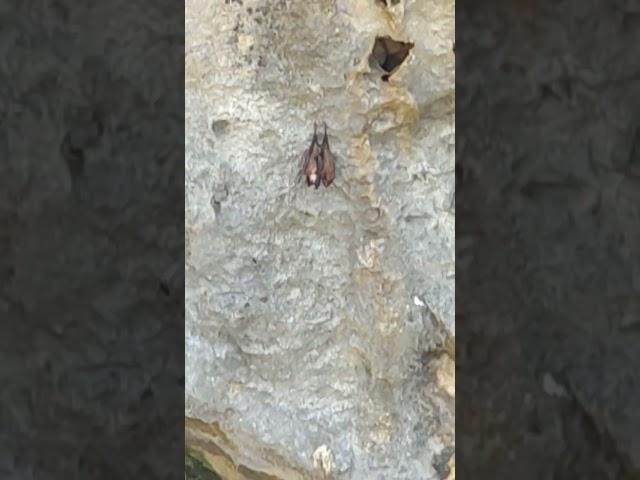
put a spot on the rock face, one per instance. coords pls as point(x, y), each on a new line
point(555, 364)
point(320, 323)
point(88, 336)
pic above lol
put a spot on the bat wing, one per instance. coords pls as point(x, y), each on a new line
point(328, 168)
point(328, 165)
point(304, 161)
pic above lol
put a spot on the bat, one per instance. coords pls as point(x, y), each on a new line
point(312, 162)
point(318, 162)
point(327, 164)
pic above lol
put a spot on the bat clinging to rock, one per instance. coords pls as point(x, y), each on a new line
point(328, 170)
point(318, 161)
point(311, 167)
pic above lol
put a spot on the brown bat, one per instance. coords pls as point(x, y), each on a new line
point(328, 161)
point(312, 161)
point(318, 162)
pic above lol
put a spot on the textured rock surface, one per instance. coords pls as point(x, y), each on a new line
point(88, 339)
point(556, 365)
point(319, 324)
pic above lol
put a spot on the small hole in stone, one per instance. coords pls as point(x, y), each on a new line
point(389, 54)
point(216, 205)
point(219, 126)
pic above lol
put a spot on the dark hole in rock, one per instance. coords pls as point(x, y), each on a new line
point(389, 54)
point(220, 126)
point(388, 3)
point(217, 206)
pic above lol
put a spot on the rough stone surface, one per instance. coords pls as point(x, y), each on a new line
point(90, 343)
point(319, 323)
point(549, 161)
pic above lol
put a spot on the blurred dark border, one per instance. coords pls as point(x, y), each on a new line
point(92, 239)
point(547, 235)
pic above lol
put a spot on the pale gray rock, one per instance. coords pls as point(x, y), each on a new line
point(318, 322)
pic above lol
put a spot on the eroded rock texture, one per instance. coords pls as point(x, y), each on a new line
point(549, 164)
point(319, 323)
point(90, 302)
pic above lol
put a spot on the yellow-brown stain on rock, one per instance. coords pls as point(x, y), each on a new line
point(452, 468)
point(403, 116)
point(225, 457)
point(382, 432)
point(446, 375)
point(360, 153)
point(213, 430)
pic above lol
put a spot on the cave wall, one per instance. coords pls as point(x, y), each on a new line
point(320, 323)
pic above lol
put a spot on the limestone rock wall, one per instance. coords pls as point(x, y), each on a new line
point(320, 323)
